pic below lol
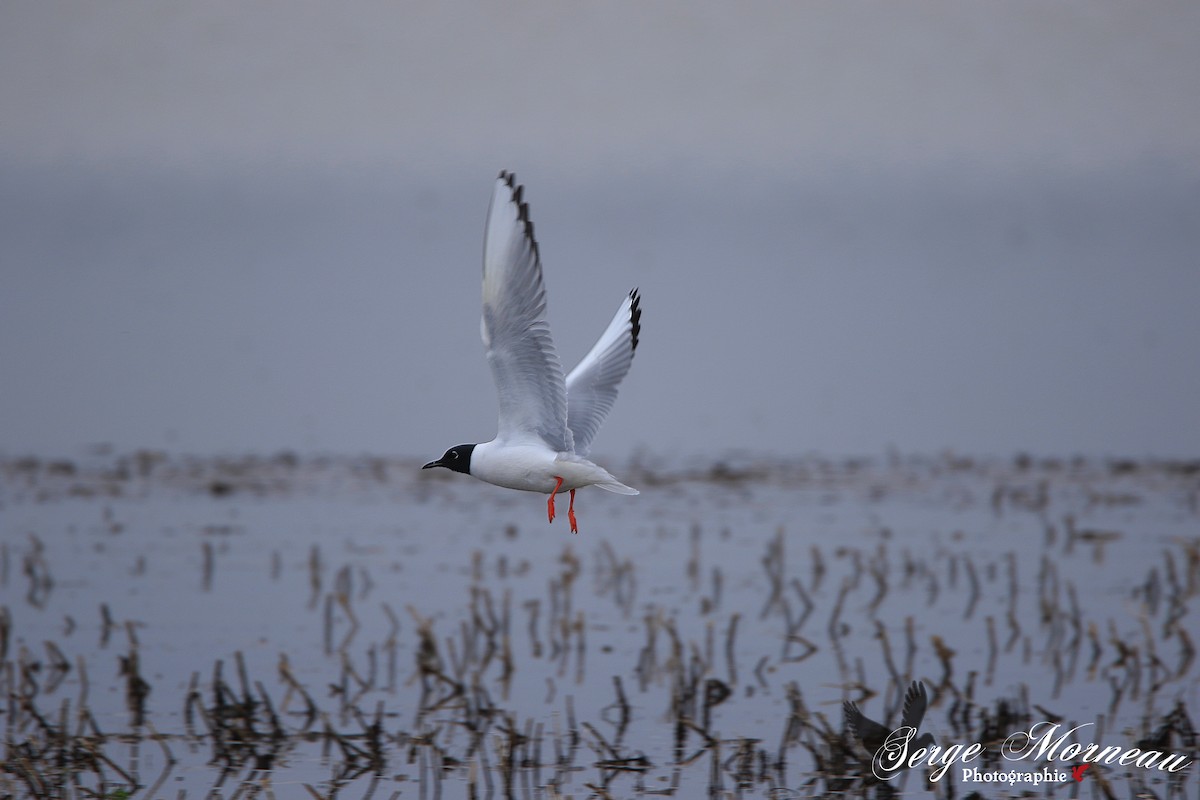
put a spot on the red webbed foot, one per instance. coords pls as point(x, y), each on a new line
point(571, 513)
point(550, 502)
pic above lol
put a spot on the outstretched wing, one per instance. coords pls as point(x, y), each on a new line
point(592, 385)
point(915, 702)
point(867, 731)
point(525, 365)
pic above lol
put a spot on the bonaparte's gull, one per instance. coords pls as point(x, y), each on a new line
point(874, 736)
point(547, 423)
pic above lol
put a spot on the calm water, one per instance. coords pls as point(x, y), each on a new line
point(253, 626)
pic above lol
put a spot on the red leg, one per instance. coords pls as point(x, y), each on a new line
point(550, 503)
point(571, 513)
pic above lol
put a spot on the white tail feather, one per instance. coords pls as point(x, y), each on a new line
point(616, 487)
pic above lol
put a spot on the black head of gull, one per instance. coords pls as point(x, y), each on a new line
point(457, 458)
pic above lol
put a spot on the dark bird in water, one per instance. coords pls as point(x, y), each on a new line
point(874, 736)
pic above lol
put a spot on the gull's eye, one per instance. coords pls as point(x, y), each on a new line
point(454, 454)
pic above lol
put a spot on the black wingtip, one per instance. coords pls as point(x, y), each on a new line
point(635, 316)
point(518, 196)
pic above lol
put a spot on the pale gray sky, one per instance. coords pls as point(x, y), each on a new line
point(231, 227)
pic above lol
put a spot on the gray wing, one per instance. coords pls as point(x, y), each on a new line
point(869, 732)
point(592, 385)
point(516, 336)
point(915, 702)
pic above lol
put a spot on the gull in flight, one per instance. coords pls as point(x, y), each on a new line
point(547, 422)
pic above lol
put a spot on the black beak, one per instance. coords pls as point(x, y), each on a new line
point(432, 464)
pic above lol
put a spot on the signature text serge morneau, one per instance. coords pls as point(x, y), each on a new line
point(1045, 740)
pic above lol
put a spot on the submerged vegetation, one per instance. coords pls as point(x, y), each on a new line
point(288, 626)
